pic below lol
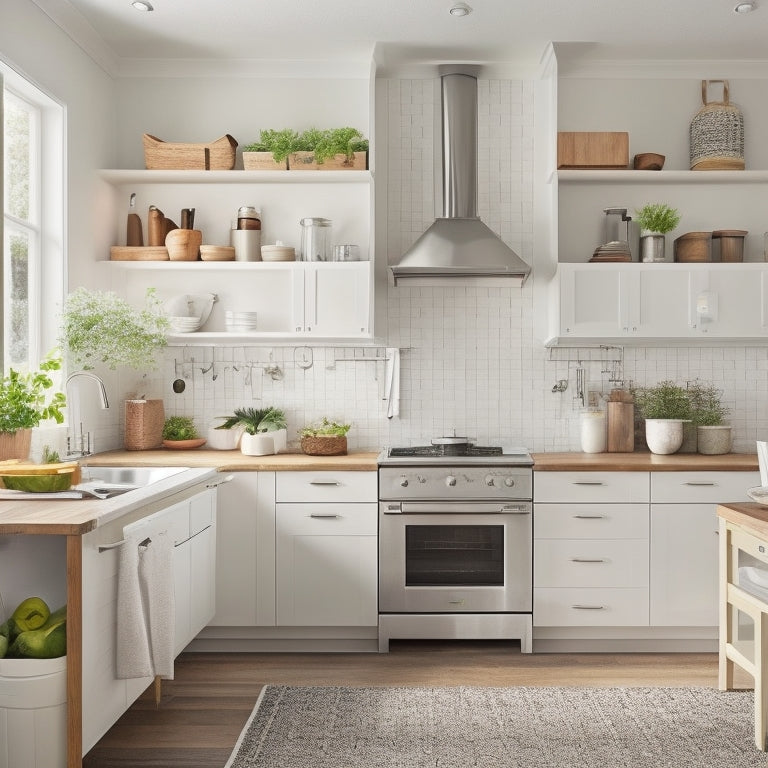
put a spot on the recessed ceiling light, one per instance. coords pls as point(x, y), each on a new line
point(142, 5)
point(746, 7)
point(460, 9)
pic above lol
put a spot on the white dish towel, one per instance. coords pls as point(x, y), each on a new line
point(145, 608)
point(392, 382)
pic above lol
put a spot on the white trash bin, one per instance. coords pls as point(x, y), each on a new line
point(33, 713)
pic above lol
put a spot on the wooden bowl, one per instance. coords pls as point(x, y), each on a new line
point(217, 253)
point(648, 161)
point(183, 244)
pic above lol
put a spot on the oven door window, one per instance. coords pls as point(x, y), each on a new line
point(454, 555)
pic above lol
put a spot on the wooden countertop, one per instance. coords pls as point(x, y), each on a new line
point(749, 515)
point(643, 462)
point(234, 461)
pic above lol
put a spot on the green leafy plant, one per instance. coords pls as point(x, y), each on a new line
point(707, 409)
point(337, 141)
point(325, 428)
point(657, 217)
point(279, 143)
point(179, 428)
point(666, 400)
point(255, 420)
point(101, 327)
point(24, 398)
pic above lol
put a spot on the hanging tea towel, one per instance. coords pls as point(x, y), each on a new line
point(717, 133)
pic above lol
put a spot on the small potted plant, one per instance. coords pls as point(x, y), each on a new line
point(665, 407)
point(24, 403)
point(180, 433)
point(324, 438)
point(255, 422)
point(333, 149)
point(270, 152)
point(655, 220)
point(708, 413)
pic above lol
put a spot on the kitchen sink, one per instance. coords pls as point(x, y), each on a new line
point(127, 477)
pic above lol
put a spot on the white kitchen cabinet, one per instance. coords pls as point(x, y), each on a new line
point(590, 549)
point(684, 543)
point(191, 522)
point(327, 549)
point(245, 562)
point(292, 299)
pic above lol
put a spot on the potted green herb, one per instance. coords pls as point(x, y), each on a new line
point(708, 413)
point(655, 220)
point(324, 438)
point(179, 432)
point(24, 403)
point(333, 149)
point(255, 422)
point(270, 152)
point(100, 328)
point(665, 407)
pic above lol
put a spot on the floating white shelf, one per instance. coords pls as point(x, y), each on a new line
point(661, 177)
point(132, 176)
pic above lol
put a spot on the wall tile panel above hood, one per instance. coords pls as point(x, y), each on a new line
point(459, 247)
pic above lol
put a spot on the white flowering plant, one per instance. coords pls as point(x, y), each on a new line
point(99, 327)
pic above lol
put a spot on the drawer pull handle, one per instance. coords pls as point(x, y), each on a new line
point(699, 482)
point(324, 482)
point(322, 516)
point(590, 517)
point(588, 607)
point(587, 482)
point(588, 560)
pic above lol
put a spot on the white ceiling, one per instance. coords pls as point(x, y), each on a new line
point(408, 30)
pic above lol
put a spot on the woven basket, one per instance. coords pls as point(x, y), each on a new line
point(331, 445)
point(717, 133)
point(144, 421)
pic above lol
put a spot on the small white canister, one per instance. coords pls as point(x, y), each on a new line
point(593, 432)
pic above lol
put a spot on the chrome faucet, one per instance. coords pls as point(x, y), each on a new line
point(79, 444)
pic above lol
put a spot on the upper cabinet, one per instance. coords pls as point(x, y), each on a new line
point(635, 302)
point(307, 300)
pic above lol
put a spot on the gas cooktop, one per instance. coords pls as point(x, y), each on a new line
point(455, 454)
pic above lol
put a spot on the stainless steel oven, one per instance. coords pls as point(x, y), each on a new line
point(455, 545)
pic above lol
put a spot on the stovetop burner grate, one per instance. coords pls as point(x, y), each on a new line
point(446, 450)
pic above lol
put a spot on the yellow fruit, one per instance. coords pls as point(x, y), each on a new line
point(31, 614)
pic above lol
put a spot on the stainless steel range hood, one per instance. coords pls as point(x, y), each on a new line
point(458, 247)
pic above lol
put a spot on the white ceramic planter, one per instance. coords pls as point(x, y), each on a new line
point(664, 436)
point(224, 439)
point(260, 444)
point(714, 440)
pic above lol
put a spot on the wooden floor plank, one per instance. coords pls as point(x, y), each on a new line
point(203, 710)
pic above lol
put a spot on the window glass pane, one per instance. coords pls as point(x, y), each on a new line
point(16, 271)
point(18, 143)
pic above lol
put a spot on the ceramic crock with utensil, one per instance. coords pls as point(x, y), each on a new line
point(315, 239)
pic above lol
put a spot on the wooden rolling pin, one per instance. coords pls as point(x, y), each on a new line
point(621, 422)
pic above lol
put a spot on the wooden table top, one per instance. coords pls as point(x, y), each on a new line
point(644, 462)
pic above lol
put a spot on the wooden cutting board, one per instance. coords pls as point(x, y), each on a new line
point(621, 427)
point(587, 149)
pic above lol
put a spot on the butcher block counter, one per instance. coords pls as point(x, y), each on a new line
point(644, 462)
point(234, 461)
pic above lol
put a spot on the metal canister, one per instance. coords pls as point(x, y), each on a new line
point(248, 218)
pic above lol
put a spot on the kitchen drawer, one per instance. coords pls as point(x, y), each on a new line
point(692, 487)
point(590, 607)
point(590, 521)
point(599, 487)
point(590, 563)
point(328, 519)
point(325, 486)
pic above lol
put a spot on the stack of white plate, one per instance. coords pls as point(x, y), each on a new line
point(239, 322)
point(181, 324)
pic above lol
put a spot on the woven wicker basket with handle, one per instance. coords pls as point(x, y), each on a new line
point(717, 133)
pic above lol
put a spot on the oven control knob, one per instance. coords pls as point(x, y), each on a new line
point(450, 480)
point(509, 482)
point(403, 481)
point(489, 480)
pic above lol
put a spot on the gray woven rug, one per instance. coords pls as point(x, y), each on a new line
point(294, 727)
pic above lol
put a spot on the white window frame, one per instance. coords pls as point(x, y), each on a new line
point(46, 226)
